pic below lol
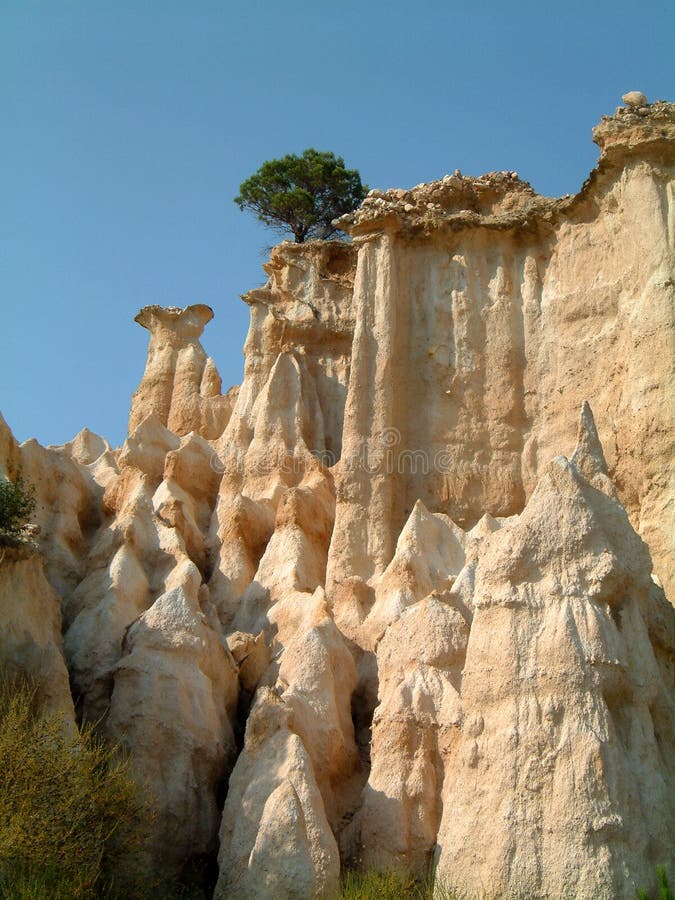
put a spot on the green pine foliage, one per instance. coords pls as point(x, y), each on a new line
point(302, 194)
point(17, 502)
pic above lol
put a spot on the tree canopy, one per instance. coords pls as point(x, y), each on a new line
point(302, 194)
point(17, 502)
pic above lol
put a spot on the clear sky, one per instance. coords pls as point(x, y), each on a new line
point(127, 126)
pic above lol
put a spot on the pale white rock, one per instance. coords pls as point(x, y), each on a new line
point(472, 345)
point(295, 557)
point(317, 678)
point(415, 729)
point(315, 675)
point(429, 555)
point(287, 426)
point(306, 307)
point(153, 533)
point(173, 704)
point(87, 447)
point(568, 780)
point(186, 497)
point(634, 99)
point(252, 655)
point(275, 840)
point(30, 630)
point(288, 415)
point(146, 447)
point(193, 466)
point(68, 511)
point(485, 526)
point(240, 531)
point(273, 468)
point(10, 454)
point(131, 563)
point(114, 596)
point(281, 858)
point(180, 384)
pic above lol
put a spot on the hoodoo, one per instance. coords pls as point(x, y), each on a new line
point(389, 603)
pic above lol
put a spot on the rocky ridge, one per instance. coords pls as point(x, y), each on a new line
point(364, 592)
point(502, 199)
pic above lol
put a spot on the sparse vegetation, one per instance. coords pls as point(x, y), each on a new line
point(72, 819)
point(372, 885)
point(663, 891)
point(17, 502)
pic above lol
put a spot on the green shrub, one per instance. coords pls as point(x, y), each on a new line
point(72, 819)
point(302, 194)
point(370, 885)
point(17, 502)
point(664, 891)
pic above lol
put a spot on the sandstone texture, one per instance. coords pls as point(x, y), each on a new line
point(401, 599)
point(561, 601)
point(180, 385)
point(30, 629)
point(31, 643)
point(173, 702)
point(485, 316)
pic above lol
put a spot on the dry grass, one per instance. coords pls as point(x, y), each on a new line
point(71, 816)
point(372, 885)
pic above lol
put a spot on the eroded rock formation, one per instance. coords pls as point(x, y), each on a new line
point(566, 715)
point(180, 385)
point(359, 611)
point(485, 315)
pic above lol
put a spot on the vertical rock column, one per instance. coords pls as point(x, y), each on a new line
point(562, 783)
point(364, 538)
point(180, 385)
point(286, 427)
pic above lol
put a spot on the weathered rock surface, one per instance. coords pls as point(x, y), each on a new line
point(275, 840)
point(173, 705)
point(566, 738)
point(415, 729)
point(180, 385)
point(30, 630)
point(10, 454)
point(30, 613)
point(490, 307)
point(363, 586)
point(634, 99)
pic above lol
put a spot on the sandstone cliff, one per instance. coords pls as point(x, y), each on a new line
point(362, 596)
point(503, 311)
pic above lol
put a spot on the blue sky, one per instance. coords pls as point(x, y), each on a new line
point(127, 127)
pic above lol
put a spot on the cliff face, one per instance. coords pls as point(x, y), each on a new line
point(363, 589)
point(485, 316)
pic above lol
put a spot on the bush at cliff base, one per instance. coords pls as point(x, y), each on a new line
point(72, 819)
